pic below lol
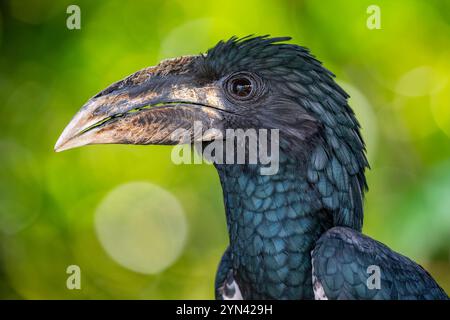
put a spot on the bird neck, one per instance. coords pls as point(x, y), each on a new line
point(273, 223)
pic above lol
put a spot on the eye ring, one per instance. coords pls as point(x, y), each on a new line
point(243, 86)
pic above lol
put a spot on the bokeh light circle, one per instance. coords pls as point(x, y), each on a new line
point(420, 81)
point(207, 32)
point(141, 226)
point(366, 116)
point(173, 44)
point(440, 108)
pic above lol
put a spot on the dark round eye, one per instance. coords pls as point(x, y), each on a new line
point(243, 86)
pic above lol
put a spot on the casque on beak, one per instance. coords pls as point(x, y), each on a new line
point(144, 108)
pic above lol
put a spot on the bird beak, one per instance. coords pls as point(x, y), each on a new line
point(155, 111)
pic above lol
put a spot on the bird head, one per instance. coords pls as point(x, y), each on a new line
point(252, 82)
point(246, 83)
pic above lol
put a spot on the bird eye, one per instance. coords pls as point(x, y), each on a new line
point(242, 86)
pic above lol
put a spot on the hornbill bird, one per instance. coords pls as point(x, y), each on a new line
point(295, 234)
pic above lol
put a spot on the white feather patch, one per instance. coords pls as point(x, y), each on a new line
point(319, 292)
point(231, 291)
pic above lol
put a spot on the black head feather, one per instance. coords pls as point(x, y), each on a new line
point(310, 109)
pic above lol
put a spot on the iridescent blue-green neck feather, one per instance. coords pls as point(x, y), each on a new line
point(274, 222)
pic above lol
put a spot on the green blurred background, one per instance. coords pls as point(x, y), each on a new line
point(67, 209)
